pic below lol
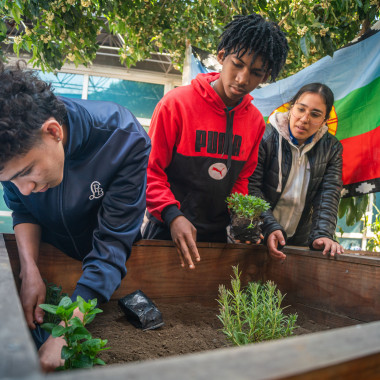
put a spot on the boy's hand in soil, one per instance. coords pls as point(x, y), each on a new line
point(274, 239)
point(50, 351)
point(328, 245)
point(32, 294)
point(50, 354)
point(184, 236)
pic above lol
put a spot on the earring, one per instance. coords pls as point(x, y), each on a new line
point(58, 138)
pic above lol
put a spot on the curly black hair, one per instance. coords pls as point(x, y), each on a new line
point(247, 34)
point(26, 102)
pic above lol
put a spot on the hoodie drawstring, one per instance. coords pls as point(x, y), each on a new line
point(279, 187)
point(229, 137)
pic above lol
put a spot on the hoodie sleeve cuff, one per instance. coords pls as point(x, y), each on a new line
point(87, 294)
point(19, 218)
point(169, 213)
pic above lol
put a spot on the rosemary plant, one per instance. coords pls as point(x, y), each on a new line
point(253, 314)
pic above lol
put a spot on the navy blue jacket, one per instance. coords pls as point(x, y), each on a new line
point(95, 214)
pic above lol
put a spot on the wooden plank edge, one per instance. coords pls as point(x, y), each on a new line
point(350, 256)
point(17, 351)
point(352, 351)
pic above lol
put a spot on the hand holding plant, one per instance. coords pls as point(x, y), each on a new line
point(81, 350)
point(245, 216)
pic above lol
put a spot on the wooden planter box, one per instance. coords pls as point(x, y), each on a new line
point(343, 291)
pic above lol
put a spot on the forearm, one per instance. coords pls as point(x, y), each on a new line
point(28, 238)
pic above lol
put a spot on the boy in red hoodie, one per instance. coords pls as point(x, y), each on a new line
point(205, 139)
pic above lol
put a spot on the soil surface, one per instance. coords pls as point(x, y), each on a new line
point(188, 328)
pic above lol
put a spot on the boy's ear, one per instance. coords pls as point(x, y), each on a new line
point(52, 128)
point(220, 56)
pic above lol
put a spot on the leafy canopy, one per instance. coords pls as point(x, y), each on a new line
point(58, 31)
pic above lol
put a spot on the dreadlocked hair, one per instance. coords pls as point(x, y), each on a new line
point(26, 102)
point(247, 34)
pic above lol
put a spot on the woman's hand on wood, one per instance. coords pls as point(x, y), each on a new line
point(275, 239)
point(184, 236)
point(327, 245)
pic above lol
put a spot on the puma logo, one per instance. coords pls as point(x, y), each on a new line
point(217, 171)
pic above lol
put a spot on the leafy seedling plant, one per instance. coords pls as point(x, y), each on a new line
point(81, 350)
point(253, 314)
point(246, 211)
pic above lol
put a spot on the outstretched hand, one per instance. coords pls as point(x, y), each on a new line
point(184, 236)
point(328, 245)
point(275, 239)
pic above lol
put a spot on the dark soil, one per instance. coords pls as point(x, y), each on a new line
point(241, 231)
point(188, 328)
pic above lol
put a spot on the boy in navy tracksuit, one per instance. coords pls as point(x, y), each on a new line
point(74, 174)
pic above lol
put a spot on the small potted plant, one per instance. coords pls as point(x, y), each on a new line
point(245, 216)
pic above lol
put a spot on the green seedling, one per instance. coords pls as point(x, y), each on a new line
point(81, 350)
point(253, 314)
point(247, 207)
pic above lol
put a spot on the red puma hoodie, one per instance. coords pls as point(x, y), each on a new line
point(201, 153)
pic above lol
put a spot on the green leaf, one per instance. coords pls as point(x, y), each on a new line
point(58, 331)
point(3, 27)
point(304, 46)
point(99, 361)
point(67, 353)
point(80, 333)
point(76, 322)
point(16, 14)
point(82, 362)
point(351, 214)
point(65, 302)
point(48, 327)
point(328, 45)
point(49, 308)
point(344, 203)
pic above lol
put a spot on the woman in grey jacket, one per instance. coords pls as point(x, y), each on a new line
point(299, 172)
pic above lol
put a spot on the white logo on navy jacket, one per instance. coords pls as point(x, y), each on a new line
point(97, 191)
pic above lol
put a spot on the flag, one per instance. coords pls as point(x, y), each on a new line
point(353, 74)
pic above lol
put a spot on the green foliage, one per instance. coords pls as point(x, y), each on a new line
point(67, 30)
point(81, 350)
point(247, 206)
point(354, 208)
point(253, 314)
point(373, 244)
point(54, 295)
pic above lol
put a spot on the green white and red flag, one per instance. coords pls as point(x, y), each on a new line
point(353, 74)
